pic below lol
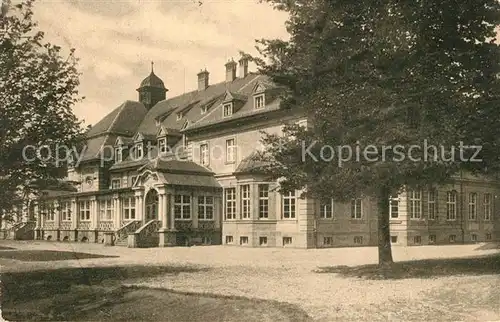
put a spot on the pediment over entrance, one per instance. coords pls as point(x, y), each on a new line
point(148, 179)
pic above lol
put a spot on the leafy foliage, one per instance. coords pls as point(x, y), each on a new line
point(375, 74)
point(38, 88)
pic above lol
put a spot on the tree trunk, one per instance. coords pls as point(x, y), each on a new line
point(384, 231)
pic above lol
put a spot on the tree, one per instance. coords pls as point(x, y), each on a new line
point(376, 78)
point(38, 88)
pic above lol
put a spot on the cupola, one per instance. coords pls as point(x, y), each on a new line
point(152, 90)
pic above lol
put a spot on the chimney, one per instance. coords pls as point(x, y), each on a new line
point(243, 69)
point(203, 80)
point(230, 71)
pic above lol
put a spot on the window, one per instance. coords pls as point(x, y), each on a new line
point(487, 206)
point(115, 184)
point(65, 211)
point(326, 209)
point(138, 151)
point(228, 109)
point(394, 207)
point(243, 240)
point(263, 201)
point(288, 205)
point(394, 239)
point(205, 240)
point(488, 236)
point(473, 237)
point(118, 155)
point(184, 140)
point(229, 239)
point(50, 212)
point(230, 197)
point(204, 156)
point(432, 239)
point(84, 207)
point(179, 116)
point(415, 204)
point(452, 238)
point(356, 208)
point(417, 239)
point(230, 151)
point(204, 109)
point(431, 204)
point(129, 208)
point(358, 240)
point(182, 207)
point(451, 205)
point(328, 241)
point(106, 210)
point(472, 206)
point(205, 207)
point(287, 241)
point(132, 180)
point(259, 101)
point(162, 145)
point(245, 201)
point(262, 241)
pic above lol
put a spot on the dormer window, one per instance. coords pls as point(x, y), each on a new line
point(259, 101)
point(118, 154)
point(228, 109)
point(138, 151)
point(162, 145)
point(179, 116)
point(158, 123)
point(204, 109)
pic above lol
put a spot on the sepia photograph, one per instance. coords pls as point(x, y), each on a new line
point(250, 160)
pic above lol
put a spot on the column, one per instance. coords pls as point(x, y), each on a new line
point(117, 211)
point(194, 209)
point(172, 212)
point(57, 214)
point(139, 205)
point(94, 216)
point(254, 201)
point(162, 211)
point(74, 214)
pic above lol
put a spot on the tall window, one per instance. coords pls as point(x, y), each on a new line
point(138, 151)
point(326, 209)
point(245, 201)
point(356, 208)
point(230, 200)
point(65, 211)
point(204, 157)
point(472, 206)
point(129, 208)
point(263, 201)
point(487, 206)
point(50, 212)
point(230, 151)
point(162, 145)
point(84, 207)
point(289, 205)
point(118, 154)
point(451, 205)
point(115, 184)
point(106, 209)
point(228, 109)
point(431, 203)
point(394, 207)
point(415, 204)
point(206, 207)
point(182, 207)
point(259, 101)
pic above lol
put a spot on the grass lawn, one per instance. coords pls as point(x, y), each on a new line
point(96, 294)
point(46, 255)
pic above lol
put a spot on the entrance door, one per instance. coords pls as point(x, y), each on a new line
point(151, 205)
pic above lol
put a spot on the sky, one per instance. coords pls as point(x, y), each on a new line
point(116, 40)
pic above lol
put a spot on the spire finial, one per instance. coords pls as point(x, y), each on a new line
point(152, 63)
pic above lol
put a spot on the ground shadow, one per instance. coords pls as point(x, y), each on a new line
point(488, 246)
point(429, 268)
point(5, 248)
point(98, 294)
point(47, 255)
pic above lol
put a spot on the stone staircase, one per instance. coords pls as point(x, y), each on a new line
point(20, 231)
point(121, 235)
point(146, 236)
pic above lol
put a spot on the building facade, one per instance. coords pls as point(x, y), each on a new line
point(178, 171)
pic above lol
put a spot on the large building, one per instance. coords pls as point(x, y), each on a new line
point(164, 171)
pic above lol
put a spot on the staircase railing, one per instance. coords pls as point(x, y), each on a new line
point(25, 230)
point(147, 235)
point(122, 233)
